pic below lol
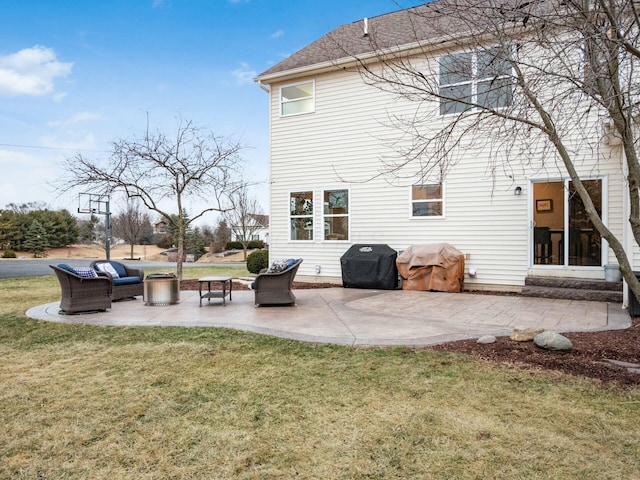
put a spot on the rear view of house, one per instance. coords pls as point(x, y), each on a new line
point(357, 159)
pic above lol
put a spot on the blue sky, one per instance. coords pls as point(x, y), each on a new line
point(76, 75)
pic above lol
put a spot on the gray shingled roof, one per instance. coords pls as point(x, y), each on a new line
point(426, 22)
point(389, 30)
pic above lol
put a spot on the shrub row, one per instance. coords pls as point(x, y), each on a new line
point(252, 245)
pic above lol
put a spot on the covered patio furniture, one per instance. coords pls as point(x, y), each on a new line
point(438, 267)
point(274, 288)
point(127, 281)
point(81, 294)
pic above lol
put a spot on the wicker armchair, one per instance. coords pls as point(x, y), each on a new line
point(82, 294)
point(129, 282)
point(275, 288)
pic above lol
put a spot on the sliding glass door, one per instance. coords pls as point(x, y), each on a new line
point(562, 232)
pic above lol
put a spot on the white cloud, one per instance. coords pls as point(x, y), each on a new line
point(30, 182)
point(277, 34)
point(81, 117)
point(244, 74)
point(31, 71)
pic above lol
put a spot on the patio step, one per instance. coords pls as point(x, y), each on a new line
point(573, 289)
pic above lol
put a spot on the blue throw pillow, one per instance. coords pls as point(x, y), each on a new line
point(122, 272)
point(291, 262)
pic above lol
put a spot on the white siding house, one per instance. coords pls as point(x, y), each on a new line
point(331, 137)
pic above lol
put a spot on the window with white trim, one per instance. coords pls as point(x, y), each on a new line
point(297, 98)
point(479, 77)
point(427, 200)
point(336, 214)
point(301, 216)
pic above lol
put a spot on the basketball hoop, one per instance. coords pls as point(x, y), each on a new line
point(93, 203)
point(97, 204)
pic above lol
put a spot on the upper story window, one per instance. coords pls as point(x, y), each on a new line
point(479, 77)
point(301, 216)
point(427, 200)
point(336, 214)
point(297, 98)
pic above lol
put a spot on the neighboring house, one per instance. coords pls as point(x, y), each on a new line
point(256, 229)
point(160, 228)
point(329, 134)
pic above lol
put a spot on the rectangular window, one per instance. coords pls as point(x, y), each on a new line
point(481, 77)
point(427, 200)
point(336, 214)
point(298, 98)
point(301, 215)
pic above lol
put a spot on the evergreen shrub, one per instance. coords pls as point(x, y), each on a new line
point(257, 260)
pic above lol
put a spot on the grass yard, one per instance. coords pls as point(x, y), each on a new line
point(81, 402)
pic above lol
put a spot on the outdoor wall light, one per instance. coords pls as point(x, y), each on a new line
point(518, 191)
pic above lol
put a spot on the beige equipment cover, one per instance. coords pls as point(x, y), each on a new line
point(438, 267)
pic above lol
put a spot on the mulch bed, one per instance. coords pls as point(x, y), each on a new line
point(588, 357)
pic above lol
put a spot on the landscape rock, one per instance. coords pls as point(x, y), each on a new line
point(550, 340)
point(485, 339)
point(525, 334)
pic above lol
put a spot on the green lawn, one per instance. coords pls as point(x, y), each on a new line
point(82, 402)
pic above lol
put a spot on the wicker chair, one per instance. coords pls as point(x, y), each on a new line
point(275, 288)
point(83, 294)
point(128, 284)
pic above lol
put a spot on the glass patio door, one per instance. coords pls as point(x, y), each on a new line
point(563, 235)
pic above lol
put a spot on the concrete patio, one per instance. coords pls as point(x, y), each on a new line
point(362, 317)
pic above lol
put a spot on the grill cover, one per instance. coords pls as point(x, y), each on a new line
point(370, 266)
point(438, 267)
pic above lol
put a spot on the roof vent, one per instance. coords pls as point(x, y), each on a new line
point(366, 27)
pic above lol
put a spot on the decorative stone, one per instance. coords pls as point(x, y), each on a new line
point(525, 334)
point(487, 339)
point(550, 340)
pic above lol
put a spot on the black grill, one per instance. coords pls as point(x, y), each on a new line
point(370, 266)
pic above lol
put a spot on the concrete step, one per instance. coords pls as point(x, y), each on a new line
point(575, 283)
point(573, 293)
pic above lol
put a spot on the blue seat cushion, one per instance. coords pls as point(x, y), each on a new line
point(127, 280)
point(68, 268)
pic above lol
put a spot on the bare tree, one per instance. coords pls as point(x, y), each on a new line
point(193, 165)
point(130, 224)
point(558, 89)
point(244, 217)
